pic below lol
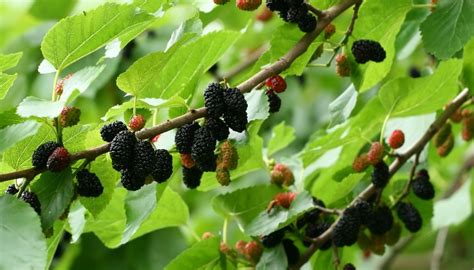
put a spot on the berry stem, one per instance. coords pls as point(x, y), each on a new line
point(55, 81)
point(335, 257)
point(224, 230)
point(385, 121)
point(423, 6)
point(134, 105)
point(406, 189)
point(328, 210)
point(24, 186)
point(317, 12)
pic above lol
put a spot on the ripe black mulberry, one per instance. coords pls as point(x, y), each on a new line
point(422, 187)
point(346, 231)
point(236, 121)
point(108, 132)
point(219, 130)
point(88, 184)
point(381, 220)
point(291, 251)
point(235, 101)
point(192, 177)
point(131, 181)
point(11, 189)
point(144, 159)
point(273, 239)
point(214, 100)
point(41, 154)
point(184, 137)
point(32, 200)
point(274, 102)
point(163, 167)
point(307, 23)
point(410, 216)
point(121, 150)
point(367, 50)
point(380, 175)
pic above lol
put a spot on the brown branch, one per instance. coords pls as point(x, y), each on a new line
point(283, 63)
point(406, 190)
point(248, 62)
point(328, 210)
point(315, 11)
point(439, 248)
point(394, 167)
point(397, 249)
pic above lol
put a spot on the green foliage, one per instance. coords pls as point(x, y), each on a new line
point(282, 136)
point(448, 28)
point(202, 255)
point(22, 231)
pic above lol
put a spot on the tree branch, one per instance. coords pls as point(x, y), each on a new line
point(283, 63)
point(394, 167)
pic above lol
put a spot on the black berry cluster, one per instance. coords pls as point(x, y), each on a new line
point(202, 150)
point(364, 210)
point(314, 230)
point(381, 220)
point(291, 251)
point(235, 114)
point(163, 168)
point(294, 11)
point(109, 131)
point(365, 50)
point(214, 100)
point(410, 216)
point(422, 187)
point(274, 101)
point(192, 177)
point(121, 150)
point(40, 156)
point(219, 130)
point(11, 189)
point(273, 239)
point(88, 184)
point(184, 137)
point(32, 200)
point(346, 231)
point(380, 175)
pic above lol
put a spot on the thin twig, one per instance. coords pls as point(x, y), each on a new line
point(283, 63)
point(328, 210)
point(335, 257)
point(439, 248)
point(406, 189)
point(395, 250)
point(315, 11)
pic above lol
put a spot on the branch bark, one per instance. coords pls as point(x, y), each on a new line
point(283, 63)
point(457, 102)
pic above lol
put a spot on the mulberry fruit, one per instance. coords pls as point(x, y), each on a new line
point(380, 175)
point(444, 149)
point(223, 176)
point(236, 121)
point(219, 130)
point(235, 101)
point(346, 231)
point(214, 100)
point(343, 68)
point(108, 132)
point(274, 102)
point(276, 83)
point(41, 154)
point(187, 161)
point(414, 72)
point(253, 251)
point(316, 229)
point(273, 239)
point(297, 13)
point(329, 30)
point(381, 220)
point(422, 186)
point(442, 135)
point(144, 159)
point(367, 50)
point(131, 181)
point(307, 23)
point(276, 5)
point(360, 163)
point(184, 137)
point(202, 150)
point(375, 154)
point(467, 132)
point(122, 150)
point(248, 4)
point(163, 168)
point(282, 175)
point(220, 2)
point(11, 189)
point(69, 116)
point(291, 251)
point(349, 266)
point(32, 200)
point(88, 184)
point(137, 122)
point(285, 199)
point(396, 139)
point(410, 216)
point(58, 160)
point(364, 210)
point(192, 177)
point(228, 156)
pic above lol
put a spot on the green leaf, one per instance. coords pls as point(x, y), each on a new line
point(33, 106)
point(8, 61)
point(102, 167)
point(54, 240)
point(19, 156)
point(468, 67)
point(193, 25)
point(408, 96)
point(273, 258)
point(79, 82)
point(77, 36)
point(378, 20)
point(6, 81)
point(282, 136)
point(15, 133)
point(52, 9)
point(279, 217)
point(138, 207)
point(110, 223)
point(244, 204)
point(176, 78)
point(201, 255)
point(448, 28)
point(55, 192)
point(74, 137)
point(23, 243)
point(455, 209)
point(76, 220)
point(341, 108)
point(257, 105)
point(150, 5)
point(10, 118)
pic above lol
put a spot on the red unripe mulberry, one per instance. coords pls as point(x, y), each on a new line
point(397, 139)
point(375, 153)
point(276, 83)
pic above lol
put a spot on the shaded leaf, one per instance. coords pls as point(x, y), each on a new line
point(201, 255)
point(282, 136)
